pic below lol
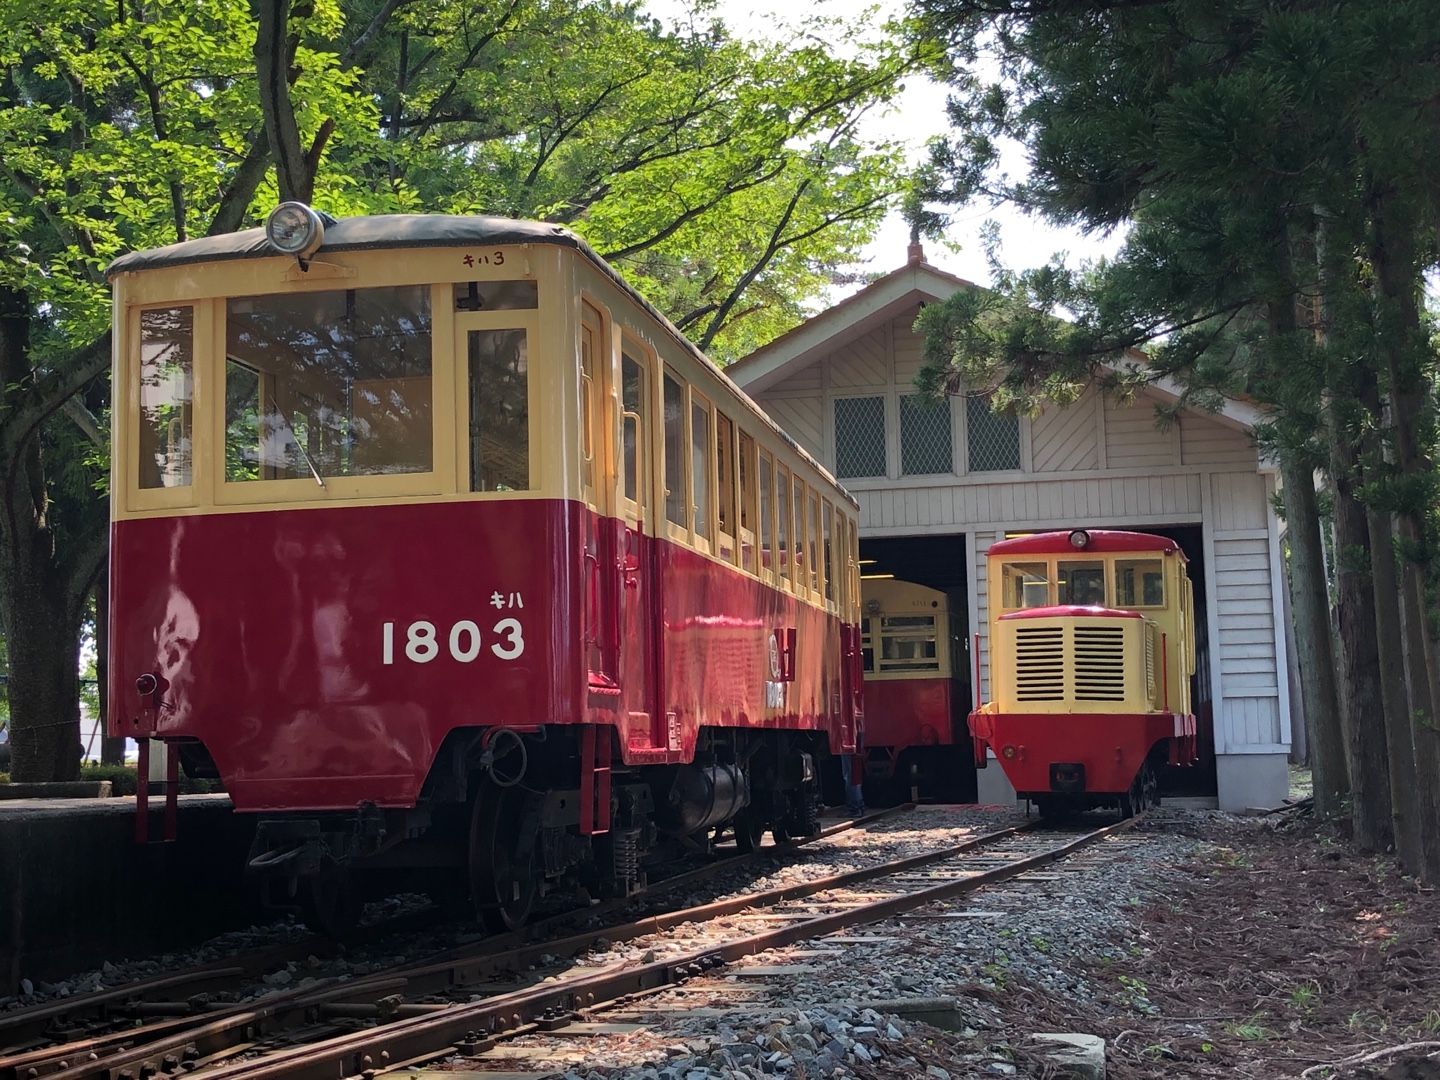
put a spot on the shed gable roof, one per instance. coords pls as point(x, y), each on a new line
point(881, 300)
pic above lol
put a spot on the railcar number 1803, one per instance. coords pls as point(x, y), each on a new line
point(422, 641)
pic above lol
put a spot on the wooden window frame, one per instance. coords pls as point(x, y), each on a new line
point(679, 531)
point(696, 400)
point(765, 493)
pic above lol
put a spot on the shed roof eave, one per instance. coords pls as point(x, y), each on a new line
point(885, 297)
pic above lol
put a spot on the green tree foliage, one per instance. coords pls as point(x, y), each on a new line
point(726, 179)
point(1274, 162)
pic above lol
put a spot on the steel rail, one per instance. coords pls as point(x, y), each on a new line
point(469, 1027)
point(205, 1030)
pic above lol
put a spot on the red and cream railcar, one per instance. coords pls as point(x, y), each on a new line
point(1092, 646)
point(443, 549)
point(915, 732)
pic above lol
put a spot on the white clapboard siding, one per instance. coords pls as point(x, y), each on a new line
point(1204, 441)
point(980, 603)
point(1131, 438)
point(907, 350)
point(802, 418)
point(1066, 440)
point(1031, 504)
point(804, 381)
point(863, 362)
point(1249, 714)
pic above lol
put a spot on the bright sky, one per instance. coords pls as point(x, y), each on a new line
point(1025, 241)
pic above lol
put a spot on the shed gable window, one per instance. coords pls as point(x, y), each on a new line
point(926, 441)
point(860, 436)
point(993, 439)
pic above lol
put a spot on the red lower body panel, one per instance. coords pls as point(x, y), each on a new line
point(322, 654)
point(900, 713)
point(1111, 746)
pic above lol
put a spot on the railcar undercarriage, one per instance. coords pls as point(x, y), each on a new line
point(503, 825)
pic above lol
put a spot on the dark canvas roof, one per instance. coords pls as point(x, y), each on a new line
point(360, 234)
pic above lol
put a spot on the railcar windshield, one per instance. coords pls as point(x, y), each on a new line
point(334, 383)
point(1139, 583)
point(1025, 585)
point(1081, 583)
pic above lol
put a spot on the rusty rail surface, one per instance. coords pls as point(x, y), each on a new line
point(418, 1031)
point(31, 1033)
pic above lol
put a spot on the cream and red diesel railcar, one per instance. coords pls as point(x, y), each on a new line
point(1092, 648)
point(451, 558)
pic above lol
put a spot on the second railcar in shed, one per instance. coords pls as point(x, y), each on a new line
point(915, 736)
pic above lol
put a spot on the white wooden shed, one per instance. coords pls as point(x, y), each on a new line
point(842, 385)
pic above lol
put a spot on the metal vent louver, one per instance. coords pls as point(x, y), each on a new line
point(1099, 663)
point(1040, 663)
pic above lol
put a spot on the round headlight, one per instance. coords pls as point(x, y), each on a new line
point(294, 229)
point(1079, 538)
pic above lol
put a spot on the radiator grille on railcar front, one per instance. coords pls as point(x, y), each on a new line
point(1099, 663)
point(1040, 663)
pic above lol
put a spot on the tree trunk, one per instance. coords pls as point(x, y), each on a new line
point(1399, 740)
point(39, 611)
point(1362, 703)
point(1405, 351)
point(44, 686)
point(1312, 636)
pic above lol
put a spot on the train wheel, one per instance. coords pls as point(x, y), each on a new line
point(749, 829)
point(329, 904)
point(1143, 794)
point(1149, 787)
point(503, 830)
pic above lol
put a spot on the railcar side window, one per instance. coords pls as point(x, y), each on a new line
point(633, 427)
point(167, 380)
point(338, 384)
point(827, 517)
point(767, 515)
point(1139, 583)
point(700, 465)
point(812, 551)
point(499, 411)
point(746, 470)
point(784, 555)
point(1024, 585)
point(675, 452)
point(802, 550)
point(725, 483)
point(867, 646)
point(1081, 583)
point(587, 402)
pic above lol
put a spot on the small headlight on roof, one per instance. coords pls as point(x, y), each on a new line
point(294, 229)
point(1079, 538)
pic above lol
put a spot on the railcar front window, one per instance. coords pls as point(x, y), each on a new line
point(1139, 583)
point(328, 384)
point(1082, 583)
point(909, 643)
point(167, 374)
point(1024, 585)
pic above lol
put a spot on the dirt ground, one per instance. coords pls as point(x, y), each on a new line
point(1276, 952)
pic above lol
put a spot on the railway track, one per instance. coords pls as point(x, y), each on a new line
point(61, 1036)
point(466, 1004)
